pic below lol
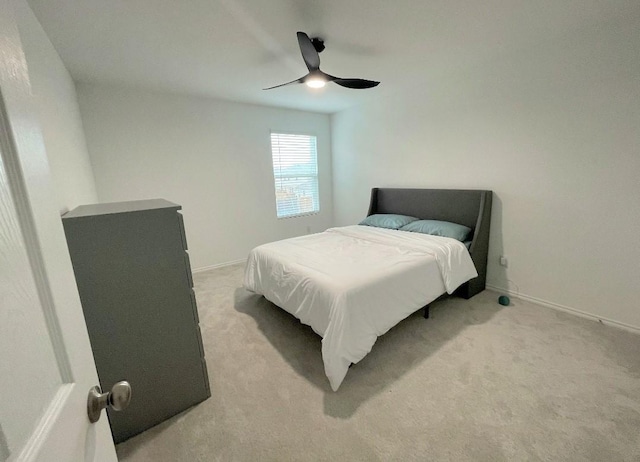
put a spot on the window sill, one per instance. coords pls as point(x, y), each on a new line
point(301, 215)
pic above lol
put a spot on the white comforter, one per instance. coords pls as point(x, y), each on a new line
point(354, 283)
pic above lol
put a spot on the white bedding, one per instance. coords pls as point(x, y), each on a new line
point(354, 283)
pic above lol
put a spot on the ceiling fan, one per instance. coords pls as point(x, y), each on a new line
point(316, 78)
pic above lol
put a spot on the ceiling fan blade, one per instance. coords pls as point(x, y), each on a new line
point(309, 53)
point(300, 80)
point(355, 83)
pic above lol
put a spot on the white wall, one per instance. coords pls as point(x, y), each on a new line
point(212, 157)
point(59, 114)
point(554, 131)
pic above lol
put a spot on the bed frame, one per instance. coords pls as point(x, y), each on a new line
point(471, 208)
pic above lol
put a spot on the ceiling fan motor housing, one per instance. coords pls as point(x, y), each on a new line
point(318, 44)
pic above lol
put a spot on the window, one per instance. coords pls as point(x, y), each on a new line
point(295, 171)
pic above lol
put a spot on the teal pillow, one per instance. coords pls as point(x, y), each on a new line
point(438, 228)
point(387, 220)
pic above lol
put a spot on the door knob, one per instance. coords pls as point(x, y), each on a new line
point(118, 399)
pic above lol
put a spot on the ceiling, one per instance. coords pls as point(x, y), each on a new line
point(231, 49)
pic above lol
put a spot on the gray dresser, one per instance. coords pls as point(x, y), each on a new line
point(135, 284)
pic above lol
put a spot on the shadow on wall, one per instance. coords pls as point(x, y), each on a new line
point(4, 447)
point(395, 353)
point(496, 275)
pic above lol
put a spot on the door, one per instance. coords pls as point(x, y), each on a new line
point(46, 364)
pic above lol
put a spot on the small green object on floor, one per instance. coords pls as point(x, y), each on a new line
point(504, 300)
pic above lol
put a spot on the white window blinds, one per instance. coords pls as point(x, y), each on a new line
point(295, 171)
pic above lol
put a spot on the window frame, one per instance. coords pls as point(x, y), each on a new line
point(316, 176)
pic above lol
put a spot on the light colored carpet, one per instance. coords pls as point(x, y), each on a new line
point(476, 382)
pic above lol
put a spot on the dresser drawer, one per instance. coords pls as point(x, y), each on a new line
point(194, 306)
point(187, 267)
point(183, 234)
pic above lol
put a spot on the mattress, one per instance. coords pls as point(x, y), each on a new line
point(354, 283)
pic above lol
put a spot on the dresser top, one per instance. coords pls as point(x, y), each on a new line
point(110, 208)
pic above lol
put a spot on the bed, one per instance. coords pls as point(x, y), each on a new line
point(352, 284)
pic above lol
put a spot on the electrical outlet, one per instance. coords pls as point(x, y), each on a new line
point(504, 261)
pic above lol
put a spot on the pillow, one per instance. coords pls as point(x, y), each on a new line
point(438, 228)
point(387, 220)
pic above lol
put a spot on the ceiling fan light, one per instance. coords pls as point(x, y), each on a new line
point(315, 83)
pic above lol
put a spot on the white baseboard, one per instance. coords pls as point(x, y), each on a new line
point(566, 309)
point(219, 265)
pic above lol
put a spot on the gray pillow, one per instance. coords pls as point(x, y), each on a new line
point(438, 228)
point(387, 220)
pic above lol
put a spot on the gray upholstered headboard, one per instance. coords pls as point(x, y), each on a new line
point(471, 208)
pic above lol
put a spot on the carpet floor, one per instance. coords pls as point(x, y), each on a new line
point(476, 382)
